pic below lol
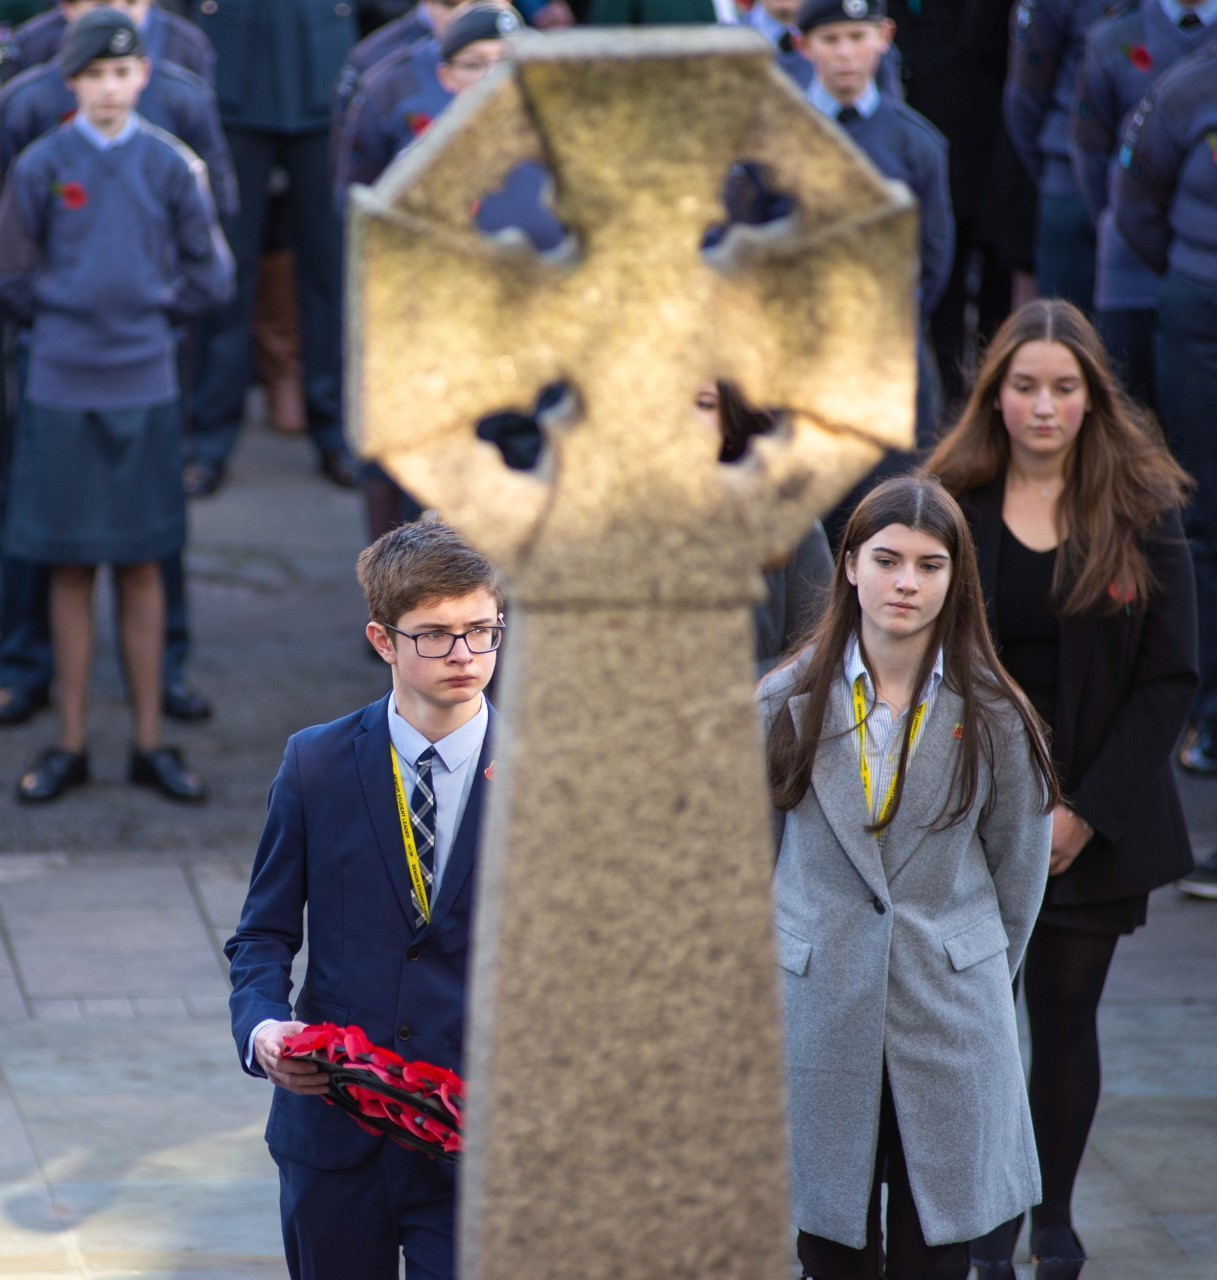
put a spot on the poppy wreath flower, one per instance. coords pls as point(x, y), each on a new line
point(1138, 55)
point(71, 194)
point(416, 1105)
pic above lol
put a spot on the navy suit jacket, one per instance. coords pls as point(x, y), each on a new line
point(333, 841)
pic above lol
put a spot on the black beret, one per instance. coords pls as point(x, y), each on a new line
point(104, 33)
point(478, 22)
point(816, 13)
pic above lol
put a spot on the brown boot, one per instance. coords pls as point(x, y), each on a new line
point(277, 342)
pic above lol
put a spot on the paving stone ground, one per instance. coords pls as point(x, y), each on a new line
point(130, 1141)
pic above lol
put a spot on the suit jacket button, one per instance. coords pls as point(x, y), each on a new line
point(208, 6)
point(343, 10)
point(414, 953)
point(404, 1033)
point(879, 907)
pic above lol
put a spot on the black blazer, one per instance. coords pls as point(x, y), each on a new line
point(1124, 688)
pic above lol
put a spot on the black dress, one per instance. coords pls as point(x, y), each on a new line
point(1028, 639)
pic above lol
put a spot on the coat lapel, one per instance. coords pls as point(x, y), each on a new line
point(838, 787)
point(376, 775)
point(1080, 637)
point(930, 774)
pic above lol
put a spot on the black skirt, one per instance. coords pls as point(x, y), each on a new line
point(1110, 919)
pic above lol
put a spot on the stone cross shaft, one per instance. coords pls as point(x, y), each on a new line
point(624, 1053)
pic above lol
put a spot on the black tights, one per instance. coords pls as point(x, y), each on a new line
point(1063, 975)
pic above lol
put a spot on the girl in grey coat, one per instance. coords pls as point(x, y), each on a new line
point(914, 789)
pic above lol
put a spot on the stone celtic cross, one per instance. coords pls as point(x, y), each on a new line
point(624, 1049)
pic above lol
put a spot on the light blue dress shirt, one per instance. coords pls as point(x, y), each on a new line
point(451, 775)
point(866, 106)
point(1206, 12)
point(100, 140)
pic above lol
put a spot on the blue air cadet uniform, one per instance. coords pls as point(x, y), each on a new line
point(1125, 54)
point(903, 145)
point(1047, 39)
point(402, 33)
point(175, 100)
point(395, 101)
point(1164, 203)
point(165, 37)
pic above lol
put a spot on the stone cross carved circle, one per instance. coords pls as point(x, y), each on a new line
point(638, 129)
point(623, 1051)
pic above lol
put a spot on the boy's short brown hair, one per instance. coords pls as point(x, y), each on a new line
point(418, 563)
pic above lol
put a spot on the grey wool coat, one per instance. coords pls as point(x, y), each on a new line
point(905, 950)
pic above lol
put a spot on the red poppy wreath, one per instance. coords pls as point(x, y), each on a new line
point(415, 1104)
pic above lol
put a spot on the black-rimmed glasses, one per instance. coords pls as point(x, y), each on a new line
point(439, 644)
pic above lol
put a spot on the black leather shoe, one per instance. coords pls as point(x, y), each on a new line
point(180, 702)
point(200, 478)
point(19, 705)
point(338, 466)
point(53, 773)
point(164, 769)
point(994, 1270)
point(1057, 1252)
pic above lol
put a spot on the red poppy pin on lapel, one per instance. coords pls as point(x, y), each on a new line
point(488, 772)
point(957, 732)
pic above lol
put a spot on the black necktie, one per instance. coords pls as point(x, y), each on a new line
point(847, 115)
point(1189, 21)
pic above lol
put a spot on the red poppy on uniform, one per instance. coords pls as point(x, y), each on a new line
point(72, 194)
point(418, 124)
point(1138, 55)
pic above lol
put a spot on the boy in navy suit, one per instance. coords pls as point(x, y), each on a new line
point(389, 900)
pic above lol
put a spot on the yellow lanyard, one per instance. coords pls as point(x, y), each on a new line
point(407, 836)
point(864, 763)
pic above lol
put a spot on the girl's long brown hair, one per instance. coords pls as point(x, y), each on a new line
point(1119, 477)
point(970, 665)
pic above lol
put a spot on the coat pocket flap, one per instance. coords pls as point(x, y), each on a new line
point(977, 942)
point(793, 954)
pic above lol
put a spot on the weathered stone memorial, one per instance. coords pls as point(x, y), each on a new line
point(624, 1053)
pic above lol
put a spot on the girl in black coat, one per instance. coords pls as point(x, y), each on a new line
point(1074, 503)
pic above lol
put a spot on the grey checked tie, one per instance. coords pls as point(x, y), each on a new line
point(422, 820)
